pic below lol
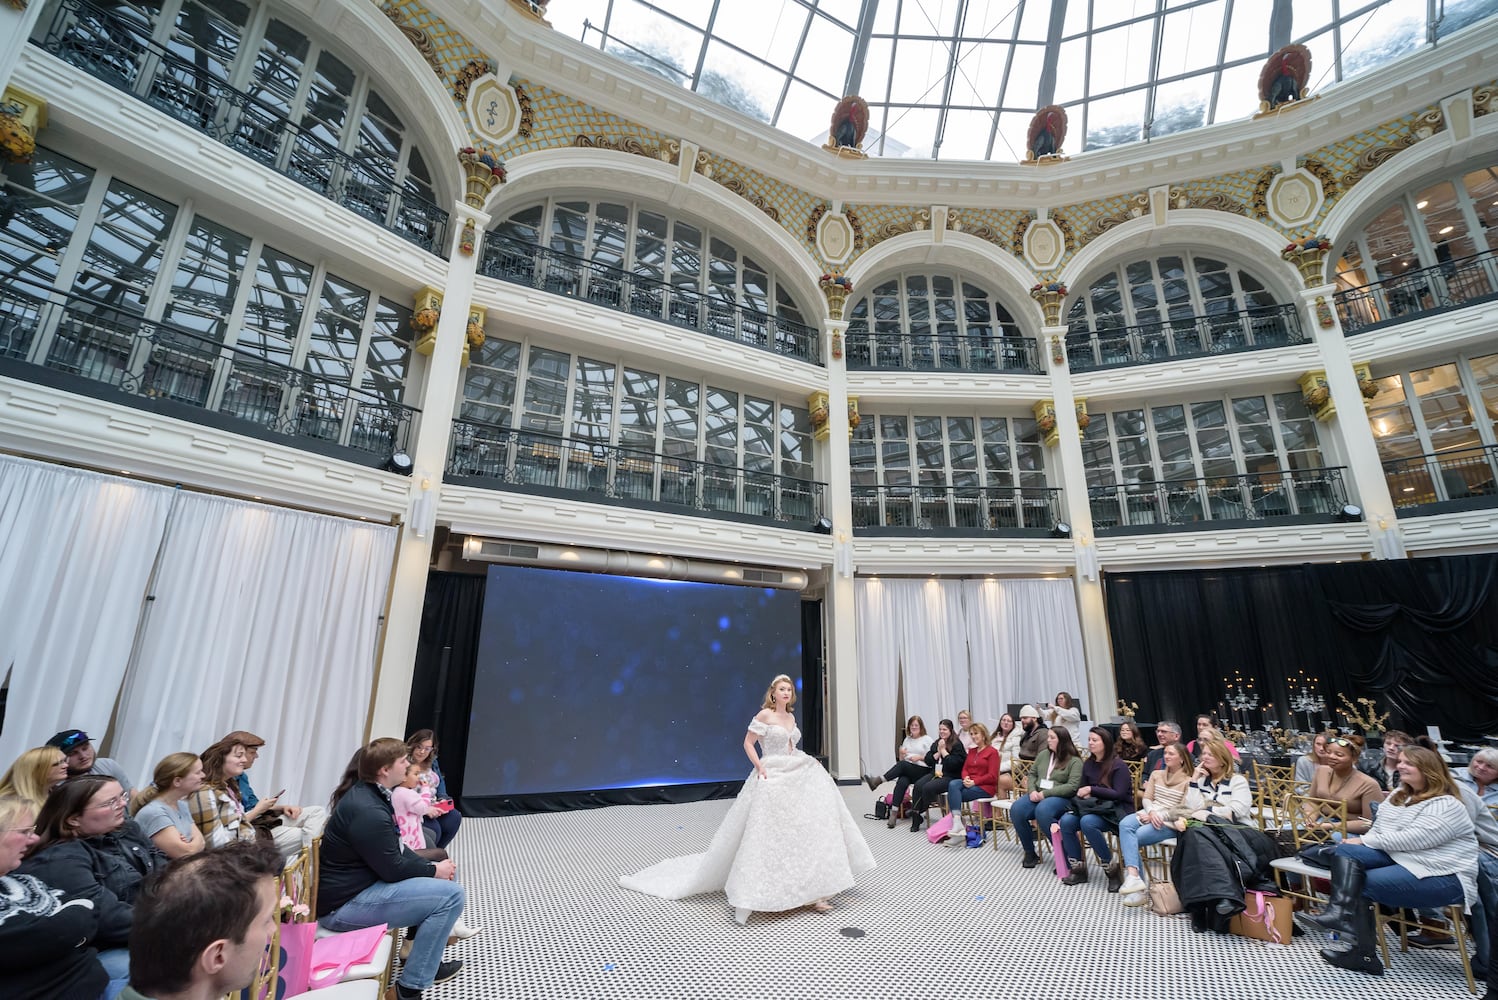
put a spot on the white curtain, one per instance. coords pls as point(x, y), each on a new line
point(1025, 640)
point(76, 550)
point(878, 637)
point(261, 619)
point(933, 648)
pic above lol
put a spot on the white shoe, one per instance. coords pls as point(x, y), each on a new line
point(1131, 885)
point(1136, 898)
point(463, 932)
point(957, 837)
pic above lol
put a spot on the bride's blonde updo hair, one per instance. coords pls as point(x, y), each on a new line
point(770, 691)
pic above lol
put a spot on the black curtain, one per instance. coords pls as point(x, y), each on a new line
point(813, 671)
point(1419, 636)
point(446, 657)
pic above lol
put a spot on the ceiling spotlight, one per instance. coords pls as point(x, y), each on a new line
point(1061, 530)
point(400, 463)
point(822, 526)
point(1350, 512)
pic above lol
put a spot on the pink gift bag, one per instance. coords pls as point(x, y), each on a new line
point(333, 956)
point(937, 832)
point(1058, 853)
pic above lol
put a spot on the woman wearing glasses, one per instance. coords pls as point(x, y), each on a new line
point(1340, 780)
point(87, 848)
point(442, 817)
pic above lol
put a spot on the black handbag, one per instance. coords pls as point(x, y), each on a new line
point(881, 807)
point(1109, 809)
point(1319, 855)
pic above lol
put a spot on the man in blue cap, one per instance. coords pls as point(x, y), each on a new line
point(82, 759)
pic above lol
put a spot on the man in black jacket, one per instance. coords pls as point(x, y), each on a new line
point(368, 877)
point(1167, 732)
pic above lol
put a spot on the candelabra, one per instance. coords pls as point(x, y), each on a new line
point(1241, 699)
point(1307, 701)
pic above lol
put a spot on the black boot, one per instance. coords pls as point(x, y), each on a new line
point(1114, 870)
point(1363, 955)
point(917, 818)
point(1348, 879)
point(1078, 873)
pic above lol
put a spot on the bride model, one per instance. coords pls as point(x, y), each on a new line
point(788, 841)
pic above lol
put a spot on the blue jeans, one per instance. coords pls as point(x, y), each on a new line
point(957, 795)
point(1134, 834)
point(1485, 914)
point(432, 905)
point(1394, 885)
point(116, 962)
point(1045, 812)
point(1092, 827)
point(444, 828)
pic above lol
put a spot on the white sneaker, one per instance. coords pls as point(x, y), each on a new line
point(957, 837)
point(1136, 899)
point(463, 932)
point(1131, 885)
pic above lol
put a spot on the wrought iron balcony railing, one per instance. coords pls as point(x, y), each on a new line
point(1218, 501)
point(1434, 289)
point(509, 458)
point(639, 295)
point(1447, 480)
point(1188, 337)
point(967, 510)
point(100, 350)
point(122, 54)
point(946, 352)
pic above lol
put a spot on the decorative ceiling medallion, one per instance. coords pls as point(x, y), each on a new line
point(1045, 244)
point(493, 110)
point(1294, 197)
point(835, 240)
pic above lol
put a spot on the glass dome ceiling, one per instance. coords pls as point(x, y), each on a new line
point(960, 79)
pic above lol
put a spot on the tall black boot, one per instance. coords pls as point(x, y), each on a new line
point(1363, 955)
point(1348, 879)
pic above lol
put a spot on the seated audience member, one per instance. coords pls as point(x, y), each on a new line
point(1064, 712)
point(964, 724)
point(442, 816)
point(1167, 803)
point(1105, 798)
point(46, 943)
point(1385, 770)
point(1486, 914)
point(215, 807)
point(1130, 744)
point(910, 760)
point(82, 760)
point(161, 809)
point(1306, 764)
point(1050, 786)
point(945, 758)
point(367, 876)
point(86, 847)
point(1007, 736)
point(292, 827)
point(1420, 852)
point(34, 774)
point(409, 808)
point(1034, 735)
point(1167, 732)
point(1223, 793)
point(1339, 779)
point(202, 925)
point(1206, 728)
point(979, 780)
point(1481, 775)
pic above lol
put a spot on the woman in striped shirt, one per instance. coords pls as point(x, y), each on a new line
point(1420, 852)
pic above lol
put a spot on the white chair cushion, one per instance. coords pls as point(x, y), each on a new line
point(363, 989)
point(1299, 867)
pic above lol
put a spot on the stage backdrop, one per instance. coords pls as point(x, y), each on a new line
point(1419, 636)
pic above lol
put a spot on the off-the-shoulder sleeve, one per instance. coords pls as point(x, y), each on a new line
point(758, 728)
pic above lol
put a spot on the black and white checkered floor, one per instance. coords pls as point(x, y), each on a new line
point(929, 922)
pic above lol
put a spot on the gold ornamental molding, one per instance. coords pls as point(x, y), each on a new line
point(836, 287)
point(820, 409)
point(482, 170)
point(473, 333)
point(1045, 422)
point(428, 310)
point(22, 116)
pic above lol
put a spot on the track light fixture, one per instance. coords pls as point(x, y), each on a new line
point(399, 463)
point(1350, 512)
point(822, 526)
point(1061, 530)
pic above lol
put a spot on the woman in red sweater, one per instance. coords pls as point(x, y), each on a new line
point(980, 779)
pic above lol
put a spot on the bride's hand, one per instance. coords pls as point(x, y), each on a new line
point(762, 772)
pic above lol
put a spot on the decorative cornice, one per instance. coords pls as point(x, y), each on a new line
point(1423, 127)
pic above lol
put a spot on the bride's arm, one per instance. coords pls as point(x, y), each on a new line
point(751, 738)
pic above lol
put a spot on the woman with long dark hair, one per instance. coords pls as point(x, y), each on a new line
point(1050, 786)
point(945, 758)
point(1106, 796)
point(216, 806)
point(442, 817)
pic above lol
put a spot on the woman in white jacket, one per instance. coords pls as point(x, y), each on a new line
point(1007, 737)
point(1065, 713)
point(1420, 852)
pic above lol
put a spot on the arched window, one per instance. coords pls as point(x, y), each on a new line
point(922, 321)
point(638, 259)
point(264, 86)
point(1436, 427)
point(1430, 248)
point(1178, 305)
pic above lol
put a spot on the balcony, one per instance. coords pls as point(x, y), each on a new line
point(1288, 496)
point(1439, 483)
point(529, 461)
point(1428, 290)
point(945, 352)
point(1187, 337)
point(99, 350)
point(639, 295)
point(955, 510)
point(121, 53)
